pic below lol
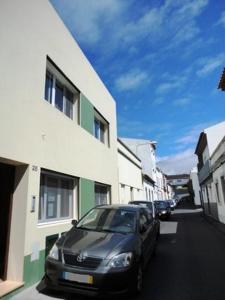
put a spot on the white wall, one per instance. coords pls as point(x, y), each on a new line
point(214, 136)
point(35, 133)
point(130, 175)
point(144, 149)
point(196, 186)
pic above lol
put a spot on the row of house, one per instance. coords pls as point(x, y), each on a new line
point(209, 176)
point(59, 151)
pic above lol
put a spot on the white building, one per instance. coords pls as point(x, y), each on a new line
point(218, 174)
point(58, 143)
point(130, 175)
point(145, 150)
point(195, 186)
point(207, 150)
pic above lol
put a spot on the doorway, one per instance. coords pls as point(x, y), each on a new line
point(7, 174)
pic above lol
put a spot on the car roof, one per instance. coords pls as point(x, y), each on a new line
point(140, 201)
point(130, 207)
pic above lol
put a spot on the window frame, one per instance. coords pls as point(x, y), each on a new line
point(108, 194)
point(103, 127)
point(59, 78)
point(42, 207)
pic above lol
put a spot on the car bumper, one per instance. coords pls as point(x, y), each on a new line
point(110, 283)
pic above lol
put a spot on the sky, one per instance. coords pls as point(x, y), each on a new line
point(161, 60)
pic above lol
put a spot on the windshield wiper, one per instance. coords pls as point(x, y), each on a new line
point(86, 228)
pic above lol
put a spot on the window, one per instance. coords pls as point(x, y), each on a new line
point(146, 193)
point(222, 179)
point(56, 197)
point(217, 192)
point(101, 128)
point(60, 92)
point(131, 193)
point(102, 194)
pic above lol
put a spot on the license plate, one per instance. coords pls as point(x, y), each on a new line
point(78, 277)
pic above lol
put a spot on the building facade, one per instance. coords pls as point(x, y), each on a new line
point(58, 146)
point(218, 176)
point(130, 175)
point(145, 150)
point(208, 148)
point(196, 191)
point(179, 185)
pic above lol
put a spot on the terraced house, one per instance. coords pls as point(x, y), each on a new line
point(58, 144)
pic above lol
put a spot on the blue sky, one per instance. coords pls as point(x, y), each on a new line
point(161, 60)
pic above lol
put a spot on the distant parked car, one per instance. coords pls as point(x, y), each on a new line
point(104, 253)
point(163, 208)
point(145, 203)
point(172, 203)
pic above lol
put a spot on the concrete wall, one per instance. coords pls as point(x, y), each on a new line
point(218, 173)
point(196, 186)
point(36, 135)
point(214, 136)
point(130, 175)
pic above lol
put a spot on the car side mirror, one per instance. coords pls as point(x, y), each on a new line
point(74, 222)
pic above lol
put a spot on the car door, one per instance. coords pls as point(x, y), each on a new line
point(145, 230)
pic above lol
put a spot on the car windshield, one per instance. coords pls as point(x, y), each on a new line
point(161, 204)
point(109, 220)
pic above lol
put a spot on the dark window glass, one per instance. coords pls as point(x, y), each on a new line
point(101, 193)
point(59, 96)
point(68, 103)
point(97, 128)
point(48, 87)
point(51, 209)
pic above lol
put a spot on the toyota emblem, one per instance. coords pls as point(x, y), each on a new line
point(80, 258)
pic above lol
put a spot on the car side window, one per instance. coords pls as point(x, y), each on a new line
point(143, 219)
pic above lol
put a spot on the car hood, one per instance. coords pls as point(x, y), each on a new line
point(97, 244)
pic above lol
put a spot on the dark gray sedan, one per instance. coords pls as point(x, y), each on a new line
point(104, 253)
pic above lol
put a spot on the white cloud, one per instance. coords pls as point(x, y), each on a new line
point(210, 64)
point(179, 163)
point(158, 101)
point(87, 19)
point(174, 82)
point(192, 135)
point(110, 22)
point(181, 102)
point(131, 80)
point(221, 20)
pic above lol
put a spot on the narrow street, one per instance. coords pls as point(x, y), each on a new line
point(189, 263)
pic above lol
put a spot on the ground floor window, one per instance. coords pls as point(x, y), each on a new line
point(102, 194)
point(222, 178)
point(56, 197)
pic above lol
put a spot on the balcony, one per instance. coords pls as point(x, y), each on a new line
point(204, 172)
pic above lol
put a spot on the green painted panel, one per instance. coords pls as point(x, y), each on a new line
point(86, 114)
point(33, 270)
point(87, 195)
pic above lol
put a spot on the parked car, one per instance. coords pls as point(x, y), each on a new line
point(172, 203)
point(163, 209)
point(104, 253)
point(145, 203)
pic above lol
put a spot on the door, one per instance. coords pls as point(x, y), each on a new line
point(7, 173)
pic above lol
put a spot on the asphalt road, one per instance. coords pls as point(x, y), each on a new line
point(189, 263)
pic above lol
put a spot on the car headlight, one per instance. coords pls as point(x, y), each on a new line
point(121, 260)
point(164, 212)
point(54, 252)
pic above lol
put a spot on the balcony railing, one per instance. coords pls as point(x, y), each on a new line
point(204, 172)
